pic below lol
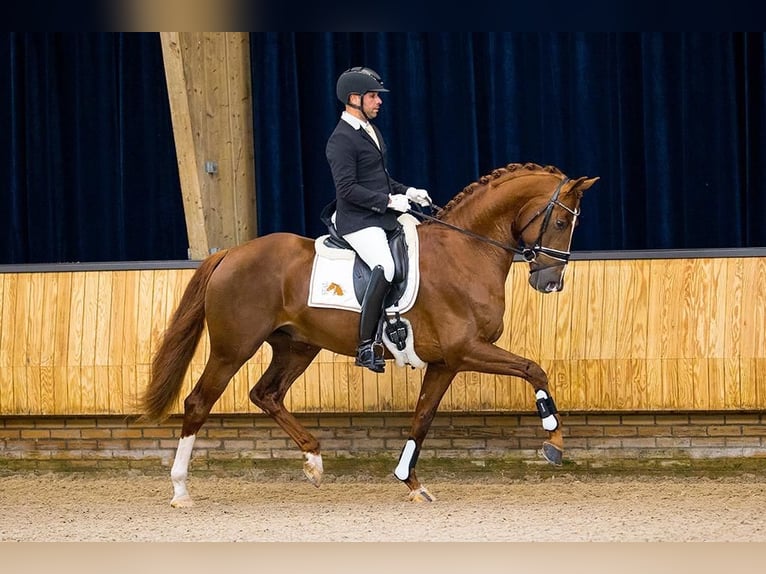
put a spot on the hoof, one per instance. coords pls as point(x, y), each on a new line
point(421, 495)
point(552, 453)
point(182, 502)
point(313, 473)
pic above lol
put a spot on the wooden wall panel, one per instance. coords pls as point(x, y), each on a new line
point(20, 336)
point(341, 385)
point(579, 286)
point(676, 334)
point(118, 326)
point(735, 270)
point(7, 328)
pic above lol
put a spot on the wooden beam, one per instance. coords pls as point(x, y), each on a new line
point(208, 76)
point(242, 168)
point(185, 149)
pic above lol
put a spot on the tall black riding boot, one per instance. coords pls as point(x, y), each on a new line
point(372, 307)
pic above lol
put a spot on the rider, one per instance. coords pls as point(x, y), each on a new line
point(368, 200)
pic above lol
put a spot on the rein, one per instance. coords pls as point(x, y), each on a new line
point(529, 254)
point(469, 233)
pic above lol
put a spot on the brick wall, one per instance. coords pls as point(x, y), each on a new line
point(591, 440)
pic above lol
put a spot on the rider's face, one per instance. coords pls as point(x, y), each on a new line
point(371, 103)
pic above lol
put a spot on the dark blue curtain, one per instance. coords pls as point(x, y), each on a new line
point(673, 123)
point(87, 138)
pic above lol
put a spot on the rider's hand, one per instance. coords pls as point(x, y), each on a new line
point(419, 196)
point(399, 202)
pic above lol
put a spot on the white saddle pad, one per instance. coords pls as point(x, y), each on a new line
point(332, 282)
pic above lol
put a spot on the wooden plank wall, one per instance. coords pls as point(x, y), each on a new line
point(623, 335)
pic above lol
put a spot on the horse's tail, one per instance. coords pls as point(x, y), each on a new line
point(178, 343)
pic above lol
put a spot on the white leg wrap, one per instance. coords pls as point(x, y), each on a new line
point(550, 423)
point(402, 471)
point(180, 469)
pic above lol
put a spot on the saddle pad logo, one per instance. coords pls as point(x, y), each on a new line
point(333, 289)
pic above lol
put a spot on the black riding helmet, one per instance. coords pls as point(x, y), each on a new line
point(358, 80)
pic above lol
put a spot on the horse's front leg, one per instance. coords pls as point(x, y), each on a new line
point(488, 358)
point(436, 381)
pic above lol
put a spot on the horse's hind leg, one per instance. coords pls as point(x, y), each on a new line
point(436, 381)
point(206, 392)
point(289, 359)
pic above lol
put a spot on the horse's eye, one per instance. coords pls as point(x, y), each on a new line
point(560, 224)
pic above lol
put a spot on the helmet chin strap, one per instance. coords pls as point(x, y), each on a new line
point(360, 108)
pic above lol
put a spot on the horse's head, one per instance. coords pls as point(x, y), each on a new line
point(543, 230)
point(526, 209)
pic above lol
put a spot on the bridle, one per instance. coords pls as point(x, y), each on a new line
point(528, 253)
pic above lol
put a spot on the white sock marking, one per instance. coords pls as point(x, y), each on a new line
point(315, 460)
point(180, 469)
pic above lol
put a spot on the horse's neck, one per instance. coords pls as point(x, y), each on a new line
point(486, 261)
point(491, 212)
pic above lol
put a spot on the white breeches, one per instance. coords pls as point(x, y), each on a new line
point(371, 244)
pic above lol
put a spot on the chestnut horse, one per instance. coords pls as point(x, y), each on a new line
point(257, 292)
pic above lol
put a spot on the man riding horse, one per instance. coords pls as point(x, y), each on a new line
point(368, 199)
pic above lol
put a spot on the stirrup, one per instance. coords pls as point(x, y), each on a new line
point(366, 356)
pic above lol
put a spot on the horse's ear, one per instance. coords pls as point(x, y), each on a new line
point(581, 184)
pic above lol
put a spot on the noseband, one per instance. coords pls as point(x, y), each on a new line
point(529, 254)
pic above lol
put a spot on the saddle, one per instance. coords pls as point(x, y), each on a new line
point(397, 242)
point(339, 279)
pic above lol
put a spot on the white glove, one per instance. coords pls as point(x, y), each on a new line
point(419, 196)
point(399, 202)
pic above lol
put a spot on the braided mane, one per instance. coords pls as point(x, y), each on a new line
point(496, 176)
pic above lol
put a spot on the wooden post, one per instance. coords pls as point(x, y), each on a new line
point(208, 78)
